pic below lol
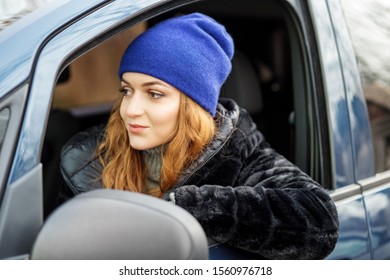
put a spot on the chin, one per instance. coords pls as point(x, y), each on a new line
point(139, 147)
point(142, 146)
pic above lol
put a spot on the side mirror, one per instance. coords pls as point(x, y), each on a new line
point(111, 224)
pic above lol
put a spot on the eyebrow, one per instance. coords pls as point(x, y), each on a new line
point(147, 83)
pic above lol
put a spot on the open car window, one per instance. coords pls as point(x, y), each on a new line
point(270, 79)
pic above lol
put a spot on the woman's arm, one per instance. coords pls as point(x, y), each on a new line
point(275, 210)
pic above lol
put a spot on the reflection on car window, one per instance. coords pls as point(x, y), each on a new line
point(369, 28)
point(4, 117)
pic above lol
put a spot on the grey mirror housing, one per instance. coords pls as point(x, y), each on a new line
point(111, 224)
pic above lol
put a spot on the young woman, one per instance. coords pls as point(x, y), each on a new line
point(169, 136)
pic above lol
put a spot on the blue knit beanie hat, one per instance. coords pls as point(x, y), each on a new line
point(192, 53)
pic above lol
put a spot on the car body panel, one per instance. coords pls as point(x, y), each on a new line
point(376, 191)
point(354, 242)
point(378, 205)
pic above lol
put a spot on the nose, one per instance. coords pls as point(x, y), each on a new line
point(135, 106)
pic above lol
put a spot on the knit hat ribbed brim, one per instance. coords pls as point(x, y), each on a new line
point(192, 53)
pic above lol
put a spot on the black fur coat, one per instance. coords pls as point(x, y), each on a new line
point(240, 190)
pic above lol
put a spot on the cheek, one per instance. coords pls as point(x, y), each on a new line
point(166, 120)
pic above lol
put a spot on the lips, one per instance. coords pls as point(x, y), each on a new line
point(136, 128)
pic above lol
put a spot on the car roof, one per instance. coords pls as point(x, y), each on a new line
point(21, 41)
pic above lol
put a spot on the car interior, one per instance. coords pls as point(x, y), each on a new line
point(267, 79)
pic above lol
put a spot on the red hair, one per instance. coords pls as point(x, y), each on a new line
point(124, 167)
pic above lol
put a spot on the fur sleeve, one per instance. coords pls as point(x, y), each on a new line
point(273, 209)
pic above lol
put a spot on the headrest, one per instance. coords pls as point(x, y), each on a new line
point(243, 85)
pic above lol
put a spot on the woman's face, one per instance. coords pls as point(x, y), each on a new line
point(149, 110)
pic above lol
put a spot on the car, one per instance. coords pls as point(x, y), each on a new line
point(296, 71)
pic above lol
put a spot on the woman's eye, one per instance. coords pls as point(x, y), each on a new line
point(156, 95)
point(125, 91)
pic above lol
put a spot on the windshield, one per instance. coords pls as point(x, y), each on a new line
point(12, 10)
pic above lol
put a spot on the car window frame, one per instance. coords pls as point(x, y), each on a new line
point(311, 134)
